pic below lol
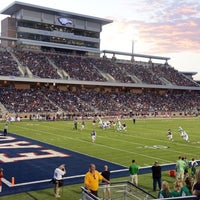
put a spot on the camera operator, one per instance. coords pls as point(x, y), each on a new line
point(59, 172)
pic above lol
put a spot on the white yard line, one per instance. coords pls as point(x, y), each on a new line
point(124, 141)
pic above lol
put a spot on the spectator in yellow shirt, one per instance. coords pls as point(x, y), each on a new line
point(92, 179)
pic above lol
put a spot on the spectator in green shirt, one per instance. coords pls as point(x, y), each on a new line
point(180, 168)
point(134, 169)
point(177, 188)
point(164, 192)
point(186, 190)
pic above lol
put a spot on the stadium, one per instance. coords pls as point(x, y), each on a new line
point(53, 73)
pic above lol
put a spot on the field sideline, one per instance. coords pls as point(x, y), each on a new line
point(145, 141)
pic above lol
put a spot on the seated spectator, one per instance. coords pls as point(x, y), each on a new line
point(164, 192)
point(196, 186)
point(186, 190)
point(177, 189)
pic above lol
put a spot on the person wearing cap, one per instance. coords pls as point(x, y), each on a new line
point(1, 176)
point(156, 175)
point(59, 172)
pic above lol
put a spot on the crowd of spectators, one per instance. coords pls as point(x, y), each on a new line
point(142, 72)
point(25, 101)
point(37, 63)
point(78, 68)
point(8, 66)
point(172, 75)
point(85, 100)
point(46, 65)
point(68, 101)
point(110, 67)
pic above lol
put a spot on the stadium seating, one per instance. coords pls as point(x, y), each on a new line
point(89, 101)
point(8, 66)
point(115, 101)
point(63, 66)
point(37, 63)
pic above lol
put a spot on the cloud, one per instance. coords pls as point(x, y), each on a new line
point(173, 26)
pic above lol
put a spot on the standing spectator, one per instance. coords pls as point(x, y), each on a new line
point(180, 167)
point(92, 179)
point(193, 165)
point(1, 176)
point(196, 186)
point(164, 192)
point(156, 175)
point(59, 172)
point(134, 169)
point(106, 189)
point(93, 136)
point(5, 130)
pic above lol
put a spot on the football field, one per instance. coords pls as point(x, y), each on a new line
point(145, 141)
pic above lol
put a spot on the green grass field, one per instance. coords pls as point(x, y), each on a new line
point(146, 141)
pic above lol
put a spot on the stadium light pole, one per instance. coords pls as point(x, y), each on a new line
point(133, 46)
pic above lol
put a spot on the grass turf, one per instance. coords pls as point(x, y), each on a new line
point(145, 141)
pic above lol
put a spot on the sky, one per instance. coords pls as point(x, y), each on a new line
point(169, 28)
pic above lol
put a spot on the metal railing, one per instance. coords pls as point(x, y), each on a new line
point(123, 190)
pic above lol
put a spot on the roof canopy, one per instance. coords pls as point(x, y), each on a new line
point(16, 6)
point(135, 55)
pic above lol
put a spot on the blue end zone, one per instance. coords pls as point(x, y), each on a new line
point(32, 164)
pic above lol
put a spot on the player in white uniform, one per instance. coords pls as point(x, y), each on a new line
point(93, 136)
point(170, 135)
point(185, 136)
point(181, 131)
point(119, 125)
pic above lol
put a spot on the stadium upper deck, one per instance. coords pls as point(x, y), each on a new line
point(46, 82)
point(37, 66)
point(46, 29)
point(50, 59)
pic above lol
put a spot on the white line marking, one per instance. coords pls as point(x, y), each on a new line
point(109, 147)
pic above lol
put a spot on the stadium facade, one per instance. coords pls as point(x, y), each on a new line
point(50, 28)
point(35, 39)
